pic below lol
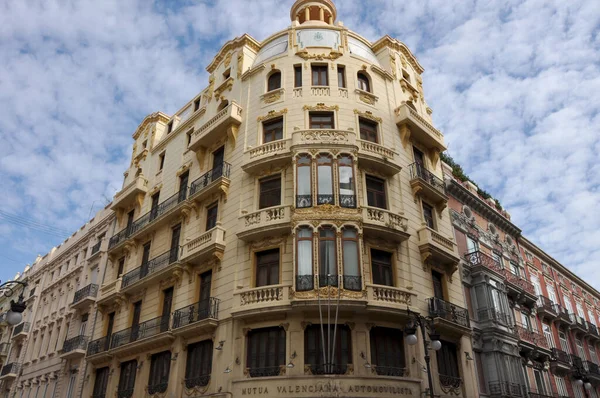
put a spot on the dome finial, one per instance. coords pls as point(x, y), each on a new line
point(313, 11)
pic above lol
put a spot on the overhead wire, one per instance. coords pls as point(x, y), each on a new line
point(36, 226)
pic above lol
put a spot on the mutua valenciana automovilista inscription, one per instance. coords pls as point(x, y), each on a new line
point(328, 388)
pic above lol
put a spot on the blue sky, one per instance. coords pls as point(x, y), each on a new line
point(514, 85)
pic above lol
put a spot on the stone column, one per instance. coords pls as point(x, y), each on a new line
point(307, 14)
point(321, 14)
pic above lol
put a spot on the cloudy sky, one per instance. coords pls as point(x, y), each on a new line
point(514, 85)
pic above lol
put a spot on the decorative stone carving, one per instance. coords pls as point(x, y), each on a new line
point(321, 107)
point(368, 115)
point(332, 56)
point(272, 114)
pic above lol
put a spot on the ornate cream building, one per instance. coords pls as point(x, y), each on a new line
point(302, 188)
point(47, 349)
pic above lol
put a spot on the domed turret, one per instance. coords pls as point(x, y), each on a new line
point(314, 12)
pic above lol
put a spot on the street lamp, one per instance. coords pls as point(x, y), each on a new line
point(434, 340)
point(15, 314)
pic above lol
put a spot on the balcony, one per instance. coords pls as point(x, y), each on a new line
point(223, 124)
point(531, 341)
point(272, 221)
point(438, 250)
point(427, 185)
point(4, 349)
point(495, 316)
point(505, 389)
point(273, 154)
point(212, 182)
point(74, 348)
point(579, 324)
point(579, 364)
point(520, 289)
point(146, 336)
point(384, 224)
point(563, 315)
point(388, 300)
point(10, 371)
point(196, 319)
point(560, 363)
point(546, 308)
point(378, 157)
point(592, 331)
point(593, 371)
point(134, 192)
point(155, 269)
point(110, 294)
point(97, 249)
point(448, 317)
point(21, 330)
point(261, 301)
point(97, 350)
point(85, 297)
point(201, 249)
point(414, 127)
point(543, 394)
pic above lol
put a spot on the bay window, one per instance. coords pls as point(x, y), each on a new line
point(346, 177)
point(327, 258)
point(324, 180)
point(304, 259)
point(352, 279)
point(304, 182)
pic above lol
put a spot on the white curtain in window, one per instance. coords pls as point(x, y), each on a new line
point(350, 253)
point(305, 252)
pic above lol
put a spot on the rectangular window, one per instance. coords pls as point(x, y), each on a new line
point(472, 245)
point(346, 181)
point(376, 192)
point(319, 75)
point(212, 213)
point(101, 382)
point(387, 351)
point(428, 215)
point(321, 120)
point(169, 128)
point(341, 74)
point(447, 360)
point(273, 130)
point(199, 364)
point(304, 182)
point(267, 267)
point(189, 138)
point(381, 267)
point(270, 192)
point(127, 379)
point(121, 267)
point(328, 275)
point(297, 75)
point(266, 352)
point(197, 104)
point(160, 366)
point(227, 74)
point(304, 259)
point(339, 350)
point(154, 205)
point(548, 334)
point(183, 186)
point(161, 161)
point(368, 130)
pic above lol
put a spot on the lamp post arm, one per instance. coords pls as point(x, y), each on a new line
point(9, 285)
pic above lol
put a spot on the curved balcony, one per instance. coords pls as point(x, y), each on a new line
point(133, 192)
point(389, 300)
point(212, 182)
point(224, 123)
point(272, 221)
point(378, 157)
point(110, 294)
point(196, 319)
point(10, 371)
point(74, 348)
point(546, 308)
point(560, 363)
point(414, 127)
point(437, 249)
point(261, 301)
point(385, 224)
point(305, 140)
point(448, 317)
point(273, 154)
point(204, 247)
point(428, 186)
point(158, 268)
point(479, 261)
point(146, 336)
point(85, 297)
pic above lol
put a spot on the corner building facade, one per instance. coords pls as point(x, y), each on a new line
point(300, 190)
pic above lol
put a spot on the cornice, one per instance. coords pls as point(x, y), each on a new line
point(243, 41)
point(465, 196)
point(388, 41)
point(153, 118)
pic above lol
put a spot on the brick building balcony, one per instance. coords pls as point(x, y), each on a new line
point(563, 316)
point(531, 341)
point(448, 317)
point(579, 325)
point(560, 362)
point(85, 296)
point(546, 308)
point(592, 331)
point(480, 261)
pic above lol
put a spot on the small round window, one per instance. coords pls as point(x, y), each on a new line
point(467, 211)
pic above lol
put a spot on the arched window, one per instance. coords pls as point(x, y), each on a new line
point(327, 257)
point(304, 259)
point(223, 105)
point(363, 82)
point(347, 184)
point(324, 180)
point(274, 81)
point(352, 279)
point(304, 182)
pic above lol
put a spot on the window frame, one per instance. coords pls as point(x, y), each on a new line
point(389, 360)
point(346, 201)
point(274, 341)
point(306, 278)
point(363, 82)
point(313, 348)
point(263, 203)
point(270, 130)
point(319, 125)
point(330, 280)
point(298, 76)
point(351, 282)
point(212, 219)
point(274, 85)
point(341, 72)
point(268, 266)
point(429, 221)
point(321, 197)
point(158, 381)
point(301, 199)
point(447, 359)
point(199, 359)
point(127, 379)
point(380, 194)
point(370, 128)
point(381, 266)
point(319, 69)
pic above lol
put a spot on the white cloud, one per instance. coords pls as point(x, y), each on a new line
point(515, 86)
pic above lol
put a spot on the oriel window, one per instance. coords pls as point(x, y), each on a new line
point(304, 182)
point(328, 275)
point(304, 260)
point(324, 180)
point(347, 182)
point(352, 278)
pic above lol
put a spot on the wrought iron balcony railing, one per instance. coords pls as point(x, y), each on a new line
point(22, 327)
point(450, 382)
point(207, 178)
point(76, 343)
point(328, 369)
point(303, 201)
point(419, 171)
point(506, 389)
point(535, 394)
point(478, 258)
point(563, 313)
point(578, 363)
point(11, 368)
point(558, 355)
point(205, 309)
point(158, 388)
point(593, 329)
point(198, 381)
point(125, 393)
point(152, 266)
point(579, 321)
point(592, 368)
point(390, 371)
point(98, 346)
point(448, 311)
point(546, 304)
point(352, 282)
point(143, 330)
point(88, 291)
point(265, 371)
point(531, 336)
point(96, 247)
point(305, 283)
